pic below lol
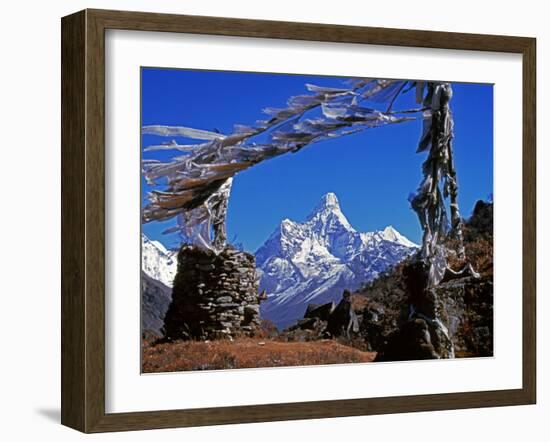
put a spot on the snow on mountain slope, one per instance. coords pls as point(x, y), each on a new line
point(314, 261)
point(157, 262)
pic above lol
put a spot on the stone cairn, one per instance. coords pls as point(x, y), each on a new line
point(214, 295)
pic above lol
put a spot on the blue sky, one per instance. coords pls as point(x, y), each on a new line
point(372, 172)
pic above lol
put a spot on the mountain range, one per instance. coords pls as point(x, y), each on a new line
point(300, 263)
point(314, 261)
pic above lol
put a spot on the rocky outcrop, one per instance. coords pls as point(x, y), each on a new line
point(214, 295)
point(371, 327)
point(412, 341)
point(480, 223)
point(453, 320)
point(325, 321)
point(466, 307)
point(321, 312)
point(343, 321)
point(400, 319)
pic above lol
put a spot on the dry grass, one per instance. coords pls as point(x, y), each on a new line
point(245, 353)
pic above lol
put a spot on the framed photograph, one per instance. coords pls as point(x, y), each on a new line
point(267, 221)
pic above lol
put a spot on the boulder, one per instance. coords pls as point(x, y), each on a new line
point(325, 321)
point(412, 341)
point(322, 311)
point(342, 321)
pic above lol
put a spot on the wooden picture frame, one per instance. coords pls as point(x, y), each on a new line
point(83, 220)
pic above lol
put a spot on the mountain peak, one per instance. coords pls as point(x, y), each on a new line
point(314, 261)
point(389, 230)
point(390, 234)
point(328, 202)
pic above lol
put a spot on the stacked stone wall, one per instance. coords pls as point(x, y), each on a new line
point(214, 295)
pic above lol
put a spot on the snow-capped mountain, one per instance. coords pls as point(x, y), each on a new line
point(157, 262)
point(158, 269)
point(314, 261)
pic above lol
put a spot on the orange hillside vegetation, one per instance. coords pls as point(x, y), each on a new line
point(245, 353)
